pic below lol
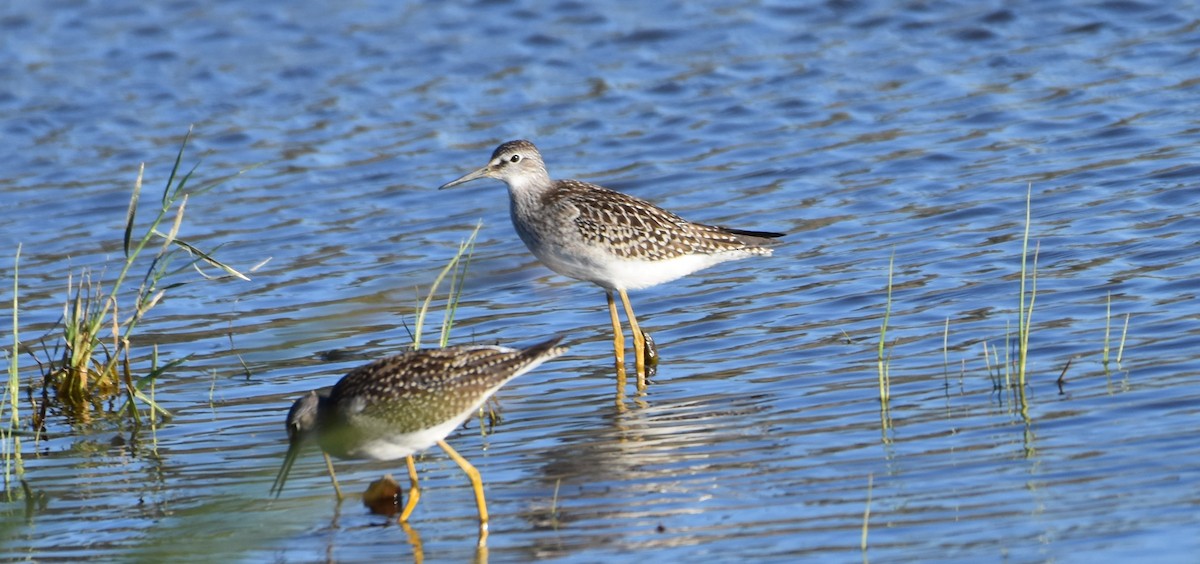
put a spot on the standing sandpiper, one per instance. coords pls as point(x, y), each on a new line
point(617, 241)
point(398, 406)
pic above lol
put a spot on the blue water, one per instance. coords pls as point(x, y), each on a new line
point(863, 129)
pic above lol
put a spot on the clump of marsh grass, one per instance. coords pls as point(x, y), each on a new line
point(1025, 311)
point(91, 361)
point(456, 269)
point(1007, 373)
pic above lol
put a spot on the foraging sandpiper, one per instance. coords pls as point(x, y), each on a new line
point(398, 406)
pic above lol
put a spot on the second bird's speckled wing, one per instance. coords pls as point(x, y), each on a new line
point(421, 389)
point(632, 228)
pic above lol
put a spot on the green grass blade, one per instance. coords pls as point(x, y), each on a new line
point(131, 214)
point(12, 442)
point(175, 169)
point(170, 238)
point(1107, 328)
point(457, 289)
point(1121, 348)
point(174, 193)
point(885, 391)
point(424, 309)
point(1024, 324)
point(866, 520)
point(14, 383)
point(204, 257)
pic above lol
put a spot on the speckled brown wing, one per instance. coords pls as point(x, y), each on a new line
point(421, 389)
point(636, 229)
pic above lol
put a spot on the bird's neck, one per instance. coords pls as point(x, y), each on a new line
point(528, 192)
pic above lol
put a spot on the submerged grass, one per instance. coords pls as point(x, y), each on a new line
point(11, 439)
point(946, 354)
point(1009, 373)
point(1107, 334)
point(866, 520)
point(1121, 348)
point(1107, 327)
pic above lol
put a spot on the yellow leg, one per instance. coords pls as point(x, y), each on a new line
point(476, 483)
point(639, 342)
point(618, 334)
point(414, 491)
point(332, 476)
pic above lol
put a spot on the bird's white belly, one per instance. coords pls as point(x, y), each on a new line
point(391, 447)
point(614, 272)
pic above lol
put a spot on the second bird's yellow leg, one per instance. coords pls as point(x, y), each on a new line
point(639, 342)
point(476, 483)
point(332, 476)
point(414, 492)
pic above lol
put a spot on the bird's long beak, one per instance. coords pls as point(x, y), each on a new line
point(294, 447)
point(484, 172)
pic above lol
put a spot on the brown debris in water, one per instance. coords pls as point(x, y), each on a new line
point(384, 497)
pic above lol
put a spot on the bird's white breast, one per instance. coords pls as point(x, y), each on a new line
point(391, 447)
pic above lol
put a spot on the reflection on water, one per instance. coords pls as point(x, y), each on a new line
point(866, 130)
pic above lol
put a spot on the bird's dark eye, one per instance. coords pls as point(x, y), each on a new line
point(515, 159)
